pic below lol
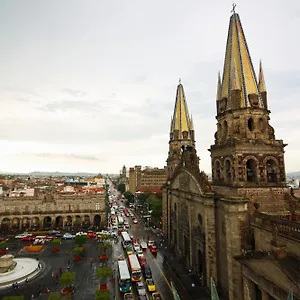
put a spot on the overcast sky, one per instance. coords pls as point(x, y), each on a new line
point(90, 85)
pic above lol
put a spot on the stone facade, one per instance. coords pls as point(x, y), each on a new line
point(53, 210)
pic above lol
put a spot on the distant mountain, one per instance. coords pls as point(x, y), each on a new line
point(56, 174)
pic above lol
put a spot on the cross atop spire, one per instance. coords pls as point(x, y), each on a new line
point(179, 80)
point(233, 8)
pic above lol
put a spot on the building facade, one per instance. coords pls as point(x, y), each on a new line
point(147, 179)
point(214, 227)
point(52, 210)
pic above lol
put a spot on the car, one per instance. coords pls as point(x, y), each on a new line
point(91, 234)
point(128, 296)
point(136, 247)
point(146, 271)
point(53, 232)
point(139, 252)
point(81, 233)
point(153, 249)
point(68, 236)
point(150, 285)
point(22, 235)
point(28, 238)
point(142, 260)
point(150, 243)
point(157, 296)
point(144, 245)
point(141, 288)
point(135, 221)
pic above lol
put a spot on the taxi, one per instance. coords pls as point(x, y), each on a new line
point(128, 296)
point(150, 285)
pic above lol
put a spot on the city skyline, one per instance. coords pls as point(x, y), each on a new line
point(90, 87)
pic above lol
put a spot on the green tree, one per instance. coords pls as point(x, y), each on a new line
point(67, 278)
point(155, 204)
point(103, 274)
point(80, 239)
point(54, 296)
point(78, 250)
point(121, 188)
point(129, 196)
point(3, 245)
point(102, 295)
point(105, 248)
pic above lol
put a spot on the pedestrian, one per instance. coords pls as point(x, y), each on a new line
point(60, 270)
point(26, 281)
point(69, 262)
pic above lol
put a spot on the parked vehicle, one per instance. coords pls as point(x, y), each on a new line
point(69, 236)
point(22, 235)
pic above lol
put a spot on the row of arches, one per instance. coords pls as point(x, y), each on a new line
point(253, 171)
point(49, 222)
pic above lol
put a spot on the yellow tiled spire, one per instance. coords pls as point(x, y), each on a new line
point(261, 79)
point(181, 121)
point(238, 70)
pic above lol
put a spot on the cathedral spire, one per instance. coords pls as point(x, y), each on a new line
point(181, 125)
point(237, 58)
point(262, 86)
point(219, 87)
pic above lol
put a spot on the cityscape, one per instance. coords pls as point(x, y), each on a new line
point(112, 199)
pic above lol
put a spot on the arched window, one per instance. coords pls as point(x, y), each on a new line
point(218, 170)
point(228, 174)
point(251, 171)
point(271, 170)
point(250, 124)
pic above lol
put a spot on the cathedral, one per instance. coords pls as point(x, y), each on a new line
point(241, 227)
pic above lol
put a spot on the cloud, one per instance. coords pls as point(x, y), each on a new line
point(67, 105)
point(65, 156)
point(74, 93)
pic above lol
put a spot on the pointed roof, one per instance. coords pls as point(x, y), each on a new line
point(238, 70)
point(219, 87)
point(181, 120)
point(261, 79)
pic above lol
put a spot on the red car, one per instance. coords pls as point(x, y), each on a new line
point(28, 238)
point(91, 234)
point(153, 249)
point(142, 260)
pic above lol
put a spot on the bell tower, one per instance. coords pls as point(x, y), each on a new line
point(247, 160)
point(181, 131)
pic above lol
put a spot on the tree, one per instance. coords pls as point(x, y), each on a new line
point(121, 188)
point(13, 298)
point(80, 239)
point(3, 245)
point(78, 250)
point(155, 203)
point(104, 273)
point(67, 278)
point(102, 295)
point(105, 248)
point(54, 296)
point(129, 196)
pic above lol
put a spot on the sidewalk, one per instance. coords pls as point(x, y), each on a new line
point(182, 279)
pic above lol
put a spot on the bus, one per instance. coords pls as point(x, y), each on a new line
point(124, 276)
point(135, 268)
point(127, 243)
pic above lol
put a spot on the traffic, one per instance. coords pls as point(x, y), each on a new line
point(134, 275)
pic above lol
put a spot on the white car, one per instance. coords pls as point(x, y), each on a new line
point(81, 233)
point(136, 247)
point(139, 252)
point(68, 236)
point(22, 235)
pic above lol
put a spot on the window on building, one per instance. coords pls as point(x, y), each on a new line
point(271, 167)
point(97, 206)
point(251, 170)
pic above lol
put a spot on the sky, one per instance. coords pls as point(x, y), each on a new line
point(89, 86)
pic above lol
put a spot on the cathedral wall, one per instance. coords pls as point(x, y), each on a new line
point(263, 238)
point(270, 199)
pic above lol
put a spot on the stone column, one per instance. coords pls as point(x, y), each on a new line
point(249, 289)
point(264, 295)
